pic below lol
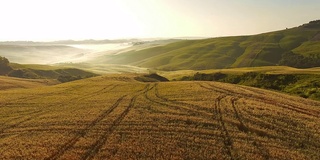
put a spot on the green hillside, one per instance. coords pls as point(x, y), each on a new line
point(46, 71)
point(297, 47)
point(35, 71)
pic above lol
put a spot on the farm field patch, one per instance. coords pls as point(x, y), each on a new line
point(117, 117)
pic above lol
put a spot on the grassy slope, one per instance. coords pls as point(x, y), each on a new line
point(47, 71)
point(242, 51)
point(306, 82)
point(116, 117)
point(171, 75)
point(17, 83)
point(34, 66)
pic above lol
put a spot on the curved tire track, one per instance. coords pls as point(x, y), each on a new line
point(227, 141)
point(242, 127)
point(84, 131)
point(95, 148)
point(266, 100)
point(40, 112)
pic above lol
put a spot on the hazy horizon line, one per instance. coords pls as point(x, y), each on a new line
point(107, 39)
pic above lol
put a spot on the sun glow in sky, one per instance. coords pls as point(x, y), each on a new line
point(46, 20)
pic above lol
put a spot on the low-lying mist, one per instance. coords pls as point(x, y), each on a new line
point(62, 53)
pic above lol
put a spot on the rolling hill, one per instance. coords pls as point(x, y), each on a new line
point(8, 83)
point(35, 71)
point(117, 117)
point(297, 47)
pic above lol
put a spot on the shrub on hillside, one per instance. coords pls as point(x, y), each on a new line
point(23, 73)
point(153, 77)
point(298, 61)
point(209, 77)
point(67, 78)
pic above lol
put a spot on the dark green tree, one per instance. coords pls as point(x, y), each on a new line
point(4, 62)
point(4, 66)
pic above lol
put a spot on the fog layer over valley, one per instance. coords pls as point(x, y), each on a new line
point(91, 55)
point(57, 53)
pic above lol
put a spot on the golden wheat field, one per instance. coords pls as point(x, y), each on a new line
point(116, 117)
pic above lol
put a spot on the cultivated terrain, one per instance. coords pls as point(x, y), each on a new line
point(117, 117)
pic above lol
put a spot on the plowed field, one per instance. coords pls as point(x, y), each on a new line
point(116, 117)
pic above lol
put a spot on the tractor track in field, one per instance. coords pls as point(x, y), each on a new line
point(280, 129)
point(36, 96)
point(157, 120)
point(227, 141)
point(238, 96)
point(84, 131)
point(263, 99)
point(165, 103)
point(265, 123)
point(242, 127)
point(106, 89)
point(192, 106)
point(29, 117)
point(38, 113)
point(190, 109)
point(217, 115)
point(95, 148)
point(68, 145)
point(258, 93)
point(259, 122)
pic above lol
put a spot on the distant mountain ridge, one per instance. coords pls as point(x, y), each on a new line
point(296, 47)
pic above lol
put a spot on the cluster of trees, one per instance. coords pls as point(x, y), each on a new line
point(153, 77)
point(4, 66)
point(268, 81)
point(312, 24)
point(298, 61)
point(68, 78)
point(234, 79)
point(4, 61)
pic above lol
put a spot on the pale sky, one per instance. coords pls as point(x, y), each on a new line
point(46, 20)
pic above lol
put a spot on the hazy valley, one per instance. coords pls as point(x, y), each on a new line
point(242, 97)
